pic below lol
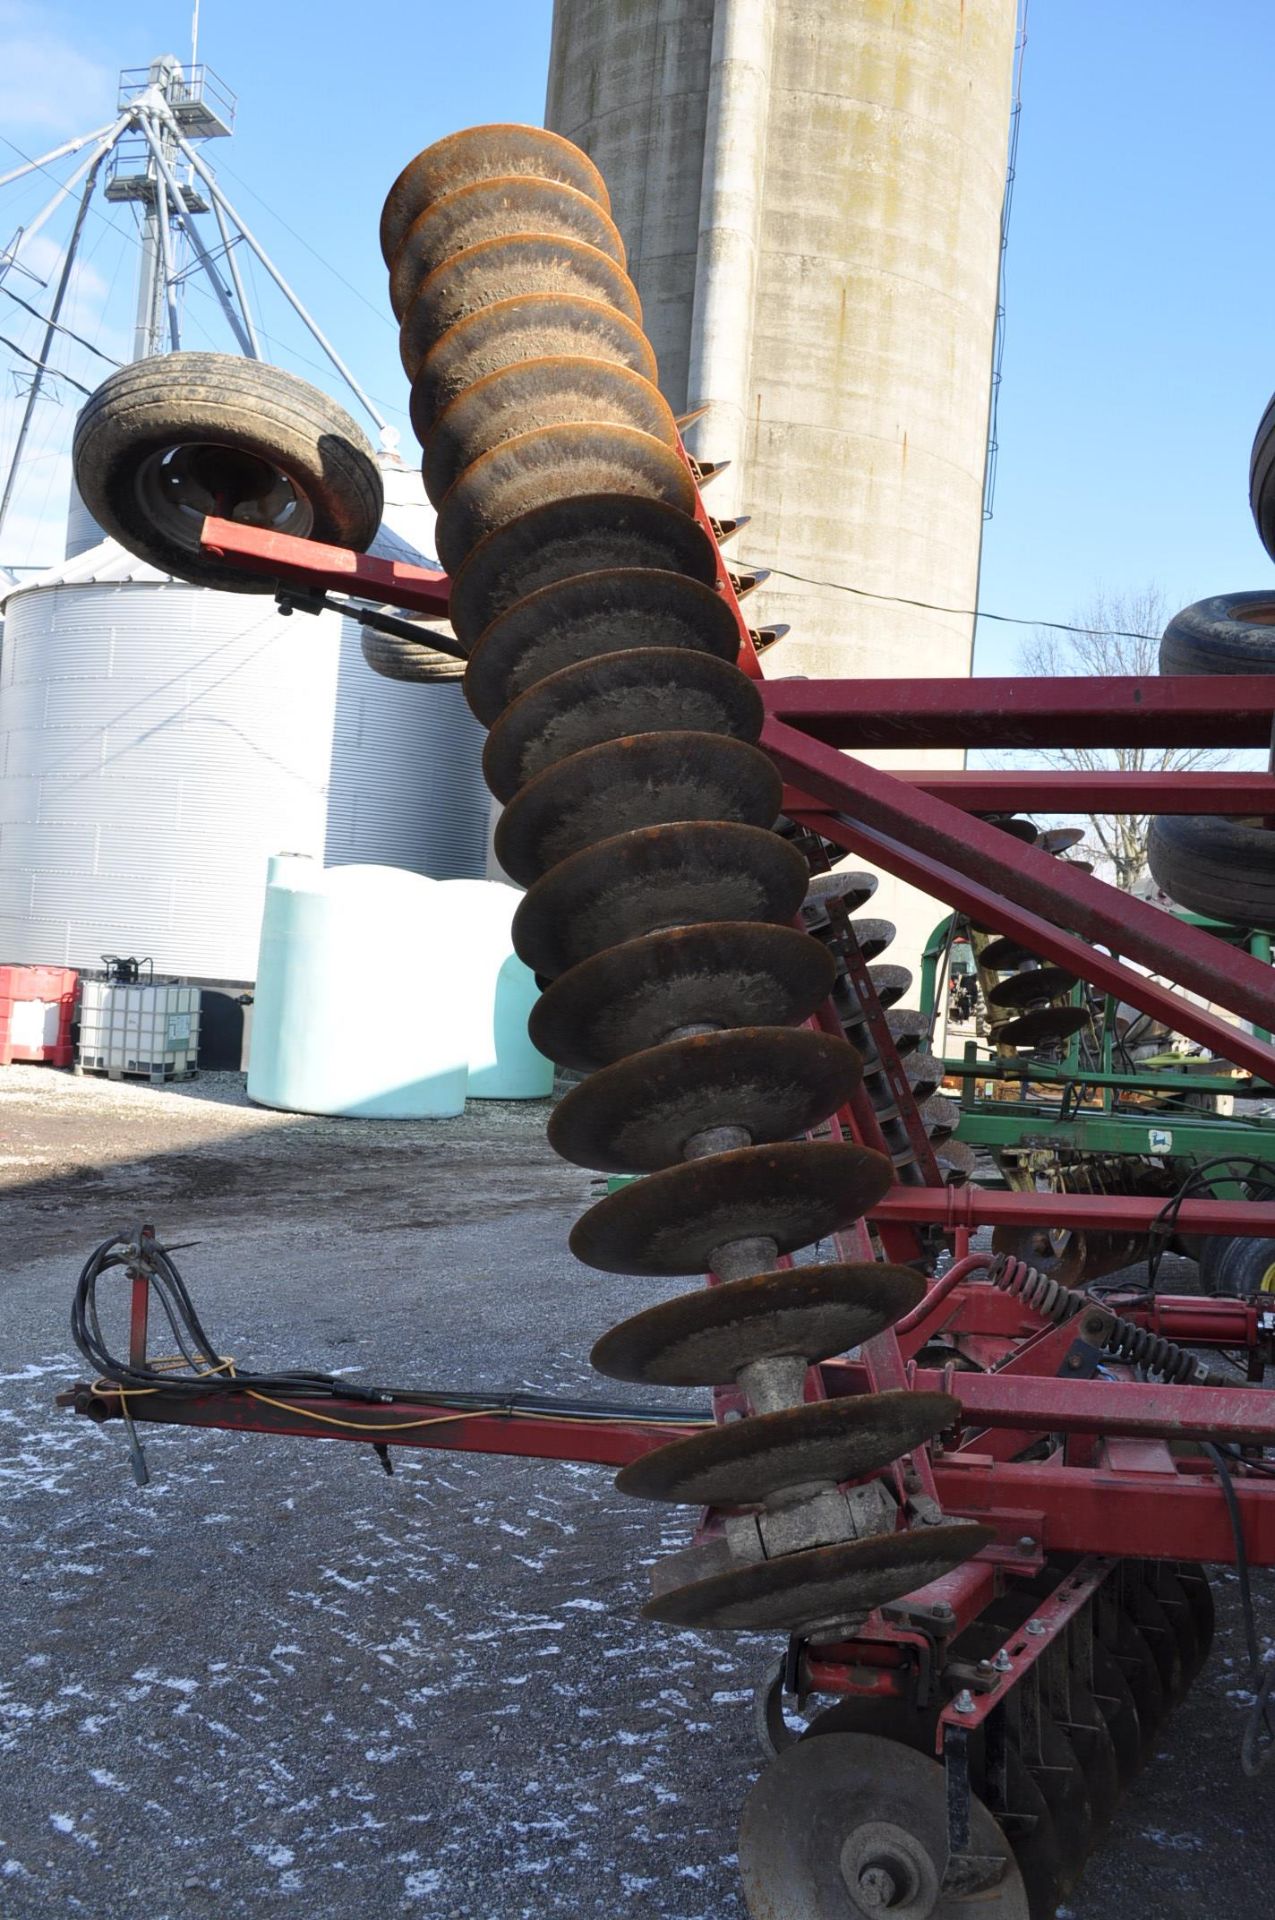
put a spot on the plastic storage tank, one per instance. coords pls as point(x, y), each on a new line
point(356, 996)
point(158, 742)
point(334, 1032)
point(497, 993)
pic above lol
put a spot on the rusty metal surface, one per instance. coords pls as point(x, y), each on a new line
point(483, 153)
point(503, 270)
point(801, 1591)
point(704, 1338)
point(548, 392)
point(747, 1461)
point(591, 616)
point(641, 1113)
point(646, 690)
point(526, 327)
point(657, 877)
point(730, 974)
point(1032, 985)
point(650, 780)
point(495, 209)
point(564, 538)
point(556, 463)
point(675, 1221)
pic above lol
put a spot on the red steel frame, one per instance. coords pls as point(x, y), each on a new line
point(1108, 1482)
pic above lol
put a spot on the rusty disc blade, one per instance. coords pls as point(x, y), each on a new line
point(925, 1074)
point(496, 209)
point(848, 884)
point(563, 391)
point(659, 877)
point(820, 1835)
point(1015, 826)
point(649, 780)
point(748, 1461)
point(736, 974)
point(650, 690)
point(675, 1221)
point(801, 1591)
point(556, 463)
point(1029, 988)
point(1004, 955)
point(502, 270)
point(568, 538)
point(908, 1029)
point(955, 1157)
point(889, 982)
point(1042, 1027)
point(939, 1116)
point(702, 1339)
point(614, 611)
point(1059, 839)
point(641, 1114)
point(484, 153)
point(874, 936)
point(530, 327)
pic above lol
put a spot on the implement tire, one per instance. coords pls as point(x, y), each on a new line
point(1227, 633)
point(1217, 866)
point(166, 441)
point(1261, 478)
point(398, 659)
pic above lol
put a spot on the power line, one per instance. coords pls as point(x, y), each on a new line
point(42, 365)
point(59, 328)
point(964, 613)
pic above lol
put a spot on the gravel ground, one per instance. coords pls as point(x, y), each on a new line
point(275, 1682)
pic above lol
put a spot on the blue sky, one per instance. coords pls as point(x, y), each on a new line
point(1141, 282)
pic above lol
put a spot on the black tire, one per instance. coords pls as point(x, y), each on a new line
point(1242, 1266)
point(1261, 478)
point(162, 438)
point(396, 659)
point(1228, 633)
point(1216, 866)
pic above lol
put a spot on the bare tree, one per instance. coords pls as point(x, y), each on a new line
point(1119, 634)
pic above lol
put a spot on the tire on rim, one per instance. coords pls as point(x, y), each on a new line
point(1227, 633)
point(1217, 866)
point(395, 658)
point(1261, 478)
point(1242, 1266)
point(165, 442)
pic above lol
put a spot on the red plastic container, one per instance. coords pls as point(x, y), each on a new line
point(37, 1006)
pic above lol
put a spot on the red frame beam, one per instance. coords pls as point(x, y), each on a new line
point(970, 1206)
point(312, 567)
point(1045, 791)
point(1182, 710)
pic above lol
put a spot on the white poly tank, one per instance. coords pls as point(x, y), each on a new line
point(356, 1001)
point(496, 994)
point(158, 742)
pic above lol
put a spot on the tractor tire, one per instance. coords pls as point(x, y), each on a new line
point(396, 659)
point(1243, 1266)
point(1217, 866)
point(1227, 633)
point(166, 441)
point(1261, 478)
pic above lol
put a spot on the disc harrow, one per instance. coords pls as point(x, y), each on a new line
point(926, 1485)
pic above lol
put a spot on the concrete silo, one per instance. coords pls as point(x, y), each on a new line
point(810, 191)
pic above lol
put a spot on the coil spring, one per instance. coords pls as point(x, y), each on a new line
point(1125, 1341)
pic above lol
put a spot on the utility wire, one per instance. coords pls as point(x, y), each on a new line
point(58, 327)
point(42, 365)
point(965, 613)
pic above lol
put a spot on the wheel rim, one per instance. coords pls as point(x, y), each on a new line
point(178, 487)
